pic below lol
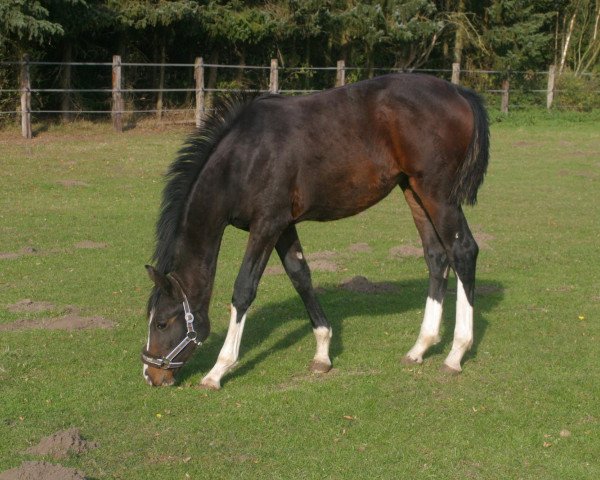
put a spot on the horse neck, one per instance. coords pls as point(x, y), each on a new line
point(197, 264)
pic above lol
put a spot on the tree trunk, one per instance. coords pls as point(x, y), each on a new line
point(239, 76)
point(563, 56)
point(65, 82)
point(370, 64)
point(307, 79)
point(459, 35)
point(161, 78)
point(212, 78)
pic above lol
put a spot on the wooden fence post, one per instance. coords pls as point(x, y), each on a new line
point(340, 77)
point(456, 73)
point(199, 76)
point(550, 93)
point(505, 90)
point(117, 97)
point(274, 77)
point(25, 99)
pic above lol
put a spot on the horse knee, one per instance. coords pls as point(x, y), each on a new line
point(243, 297)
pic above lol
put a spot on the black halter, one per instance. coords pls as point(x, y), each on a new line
point(166, 362)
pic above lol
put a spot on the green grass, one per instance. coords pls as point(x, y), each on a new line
point(533, 373)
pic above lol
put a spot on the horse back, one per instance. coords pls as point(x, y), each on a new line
point(335, 153)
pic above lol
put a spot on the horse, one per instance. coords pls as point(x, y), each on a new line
point(267, 163)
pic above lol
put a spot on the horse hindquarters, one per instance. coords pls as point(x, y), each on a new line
point(447, 239)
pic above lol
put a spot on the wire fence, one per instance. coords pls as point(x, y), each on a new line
point(183, 92)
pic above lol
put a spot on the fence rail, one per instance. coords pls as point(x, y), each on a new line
point(486, 81)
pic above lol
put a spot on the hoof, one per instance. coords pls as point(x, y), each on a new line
point(448, 370)
point(406, 360)
point(317, 366)
point(209, 384)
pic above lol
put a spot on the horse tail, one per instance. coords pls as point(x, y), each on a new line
point(471, 171)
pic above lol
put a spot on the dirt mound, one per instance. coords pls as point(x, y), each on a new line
point(71, 321)
point(361, 284)
point(62, 444)
point(403, 251)
point(29, 306)
point(323, 261)
point(42, 471)
point(360, 248)
point(88, 244)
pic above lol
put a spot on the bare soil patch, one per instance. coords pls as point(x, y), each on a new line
point(525, 143)
point(88, 244)
point(20, 253)
point(73, 183)
point(9, 255)
point(71, 321)
point(483, 240)
point(323, 266)
point(29, 306)
point(404, 251)
point(274, 270)
point(323, 255)
point(42, 471)
point(362, 284)
point(62, 444)
point(360, 248)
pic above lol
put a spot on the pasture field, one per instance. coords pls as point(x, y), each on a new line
point(77, 211)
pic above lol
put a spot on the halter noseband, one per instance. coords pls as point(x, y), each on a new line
point(166, 362)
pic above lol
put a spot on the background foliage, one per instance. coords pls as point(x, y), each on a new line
point(507, 35)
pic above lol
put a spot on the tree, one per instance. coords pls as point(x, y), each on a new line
point(517, 35)
point(25, 23)
point(159, 19)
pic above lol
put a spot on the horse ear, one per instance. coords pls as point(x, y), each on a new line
point(160, 280)
point(176, 288)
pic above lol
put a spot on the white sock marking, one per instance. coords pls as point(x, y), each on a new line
point(430, 330)
point(230, 351)
point(463, 331)
point(323, 337)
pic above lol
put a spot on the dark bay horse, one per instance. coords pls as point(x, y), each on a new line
point(266, 164)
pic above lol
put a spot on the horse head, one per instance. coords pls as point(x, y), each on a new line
point(174, 331)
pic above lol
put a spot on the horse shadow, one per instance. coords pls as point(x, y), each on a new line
point(340, 304)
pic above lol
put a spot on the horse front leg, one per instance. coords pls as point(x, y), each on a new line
point(292, 257)
point(260, 245)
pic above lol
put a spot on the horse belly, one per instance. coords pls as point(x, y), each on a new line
point(345, 194)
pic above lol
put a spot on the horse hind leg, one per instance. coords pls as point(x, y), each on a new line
point(462, 250)
point(292, 257)
point(438, 265)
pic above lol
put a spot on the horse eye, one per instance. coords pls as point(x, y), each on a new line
point(161, 325)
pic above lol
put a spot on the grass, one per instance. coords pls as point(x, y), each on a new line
point(533, 372)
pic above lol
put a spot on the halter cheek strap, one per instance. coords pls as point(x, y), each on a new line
point(191, 336)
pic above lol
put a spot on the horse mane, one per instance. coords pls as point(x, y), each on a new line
point(185, 169)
